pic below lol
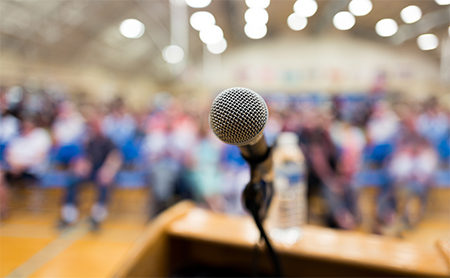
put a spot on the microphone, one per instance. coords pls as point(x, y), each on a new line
point(238, 117)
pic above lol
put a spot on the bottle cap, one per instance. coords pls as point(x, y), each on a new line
point(287, 138)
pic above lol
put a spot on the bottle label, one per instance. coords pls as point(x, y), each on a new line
point(291, 172)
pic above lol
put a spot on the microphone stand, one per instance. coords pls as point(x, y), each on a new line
point(257, 196)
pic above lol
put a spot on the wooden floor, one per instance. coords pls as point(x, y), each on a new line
point(31, 246)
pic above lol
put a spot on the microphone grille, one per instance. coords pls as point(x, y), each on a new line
point(238, 116)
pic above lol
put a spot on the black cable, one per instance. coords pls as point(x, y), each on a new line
point(275, 259)
point(255, 258)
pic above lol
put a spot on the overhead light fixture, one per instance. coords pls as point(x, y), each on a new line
point(201, 20)
point(173, 54)
point(198, 3)
point(305, 8)
point(297, 22)
point(360, 7)
point(256, 16)
point(411, 14)
point(217, 48)
point(442, 2)
point(386, 27)
point(255, 32)
point(343, 21)
point(211, 35)
point(257, 3)
point(132, 28)
point(427, 41)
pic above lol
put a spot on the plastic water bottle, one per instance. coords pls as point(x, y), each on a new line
point(288, 211)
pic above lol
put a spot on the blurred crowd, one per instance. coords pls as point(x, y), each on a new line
point(171, 142)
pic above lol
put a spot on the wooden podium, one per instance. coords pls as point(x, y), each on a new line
point(185, 235)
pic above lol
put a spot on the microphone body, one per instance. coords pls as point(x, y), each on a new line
point(238, 116)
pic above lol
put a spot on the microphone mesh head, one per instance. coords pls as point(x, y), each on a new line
point(238, 116)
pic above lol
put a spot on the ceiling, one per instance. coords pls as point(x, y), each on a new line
point(77, 31)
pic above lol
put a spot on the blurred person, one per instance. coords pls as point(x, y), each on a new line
point(99, 163)
point(204, 170)
point(170, 135)
point(433, 124)
point(322, 168)
point(274, 126)
point(68, 130)
point(119, 125)
point(9, 128)
point(411, 170)
point(26, 154)
point(350, 142)
point(26, 159)
point(236, 175)
point(382, 128)
point(291, 120)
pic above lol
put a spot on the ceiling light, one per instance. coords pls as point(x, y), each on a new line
point(343, 21)
point(305, 8)
point(217, 48)
point(255, 31)
point(257, 3)
point(386, 27)
point(198, 3)
point(256, 16)
point(132, 28)
point(211, 35)
point(173, 54)
point(297, 22)
point(411, 14)
point(360, 7)
point(443, 2)
point(427, 41)
point(200, 20)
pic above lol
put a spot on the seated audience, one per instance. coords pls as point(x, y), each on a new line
point(411, 170)
point(322, 171)
point(183, 160)
point(433, 124)
point(204, 170)
point(99, 164)
point(165, 148)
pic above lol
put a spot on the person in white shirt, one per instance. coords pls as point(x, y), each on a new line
point(9, 128)
point(26, 154)
point(119, 125)
point(383, 124)
point(68, 130)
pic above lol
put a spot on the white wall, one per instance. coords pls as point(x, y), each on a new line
point(331, 63)
point(97, 82)
point(299, 63)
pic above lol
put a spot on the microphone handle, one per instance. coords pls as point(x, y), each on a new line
point(256, 153)
point(258, 157)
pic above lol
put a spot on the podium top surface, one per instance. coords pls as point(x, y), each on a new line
point(348, 247)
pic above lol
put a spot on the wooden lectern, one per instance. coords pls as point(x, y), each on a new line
point(185, 235)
